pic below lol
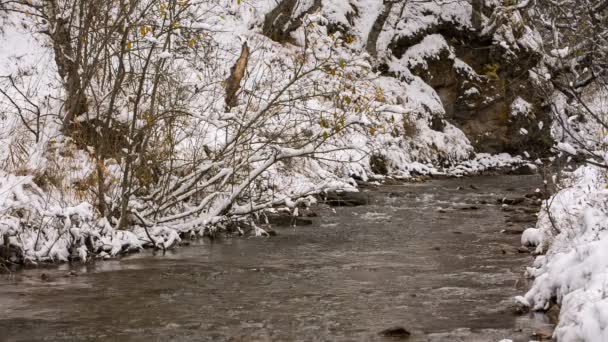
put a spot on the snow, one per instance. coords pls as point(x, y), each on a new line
point(531, 237)
point(430, 47)
point(566, 147)
point(165, 55)
point(410, 19)
point(483, 162)
point(572, 231)
point(520, 107)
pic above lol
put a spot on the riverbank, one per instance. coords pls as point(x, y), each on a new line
point(569, 272)
point(77, 234)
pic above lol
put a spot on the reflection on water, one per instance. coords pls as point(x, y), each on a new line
point(397, 262)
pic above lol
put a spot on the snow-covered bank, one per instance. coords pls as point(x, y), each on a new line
point(311, 113)
point(40, 229)
point(572, 235)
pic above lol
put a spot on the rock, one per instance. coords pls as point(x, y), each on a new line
point(468, 207)
point(523, 250)
point(522, 219)
point(535, 195)
point(553, 313)
point(513, 231)
point(525, 169)
point(396, 194)
point(508, 249)
point(542, 335)
point(396, 332)
point(519, 308)
point(473, 187)
point(286, 18)
point(379, 164)
point(286, 220)
point(530, 210)
point(511, 201)
point(345, 199)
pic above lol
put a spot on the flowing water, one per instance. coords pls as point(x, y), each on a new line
point(418, 256)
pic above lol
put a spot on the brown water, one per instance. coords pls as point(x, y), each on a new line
point(356, 271)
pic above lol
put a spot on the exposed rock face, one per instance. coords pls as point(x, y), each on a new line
point(287, 17)
point(480, 73)
point(485, 95)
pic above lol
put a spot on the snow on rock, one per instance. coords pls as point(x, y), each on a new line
point(413, 18)
point(531, 237)
point(486, 162)
point(429, 48)
point(520, 107)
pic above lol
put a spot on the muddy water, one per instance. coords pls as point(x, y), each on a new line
point(412, 258)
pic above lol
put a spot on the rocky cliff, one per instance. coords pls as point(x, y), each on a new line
point(477, 57)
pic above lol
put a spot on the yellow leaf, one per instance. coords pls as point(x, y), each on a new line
point(379, 95)
point(129, 45)
point(323, 123)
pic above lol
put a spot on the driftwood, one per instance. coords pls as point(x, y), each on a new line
point(233, 83)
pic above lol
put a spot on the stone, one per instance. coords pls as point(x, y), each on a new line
point(524, 169)
point(286, 220)
point(396, 332)
point(522, 219)
point(379, 164)
point(513, 231)
point(511, 201)
point(345, 199)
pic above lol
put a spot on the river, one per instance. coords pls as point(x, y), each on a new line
point(429, 257)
